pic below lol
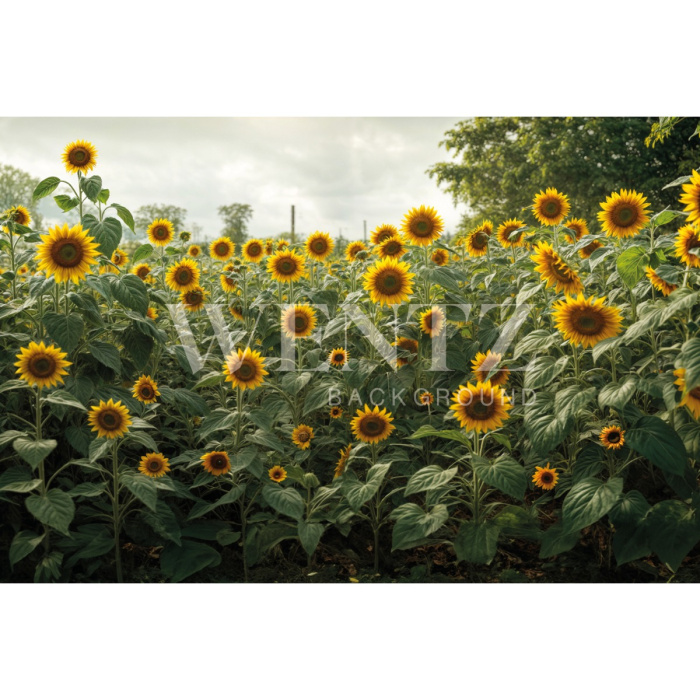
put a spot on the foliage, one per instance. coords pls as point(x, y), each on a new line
point(236, 217)
point(16, 187)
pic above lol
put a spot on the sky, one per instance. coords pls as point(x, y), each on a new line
point(337, 171)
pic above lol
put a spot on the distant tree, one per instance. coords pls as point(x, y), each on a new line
point(236, 218)
point(145, 214)
point(16, 187)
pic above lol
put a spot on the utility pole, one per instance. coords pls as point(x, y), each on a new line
point(364, 226)
point(293, 237)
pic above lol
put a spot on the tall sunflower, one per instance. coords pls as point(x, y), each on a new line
point(659, 284)
point(624, 213)
point(142, 270)
point(160, 232)
point(253, 250)
point(481, 406)
point(227, 284)
point(194, 251)
point(432, 321)
point(245, 369)
point(352, 249)
point(319, 246)
point(688, 239)
point(194, 299)
point(342, 462)
point(588, 250)
point(109, 419)
point(372, 425)
point(338, 357)
point(43, 365)
point(389, 281)
point(409, 345)
point(286, 266)
point(146, 390)
point(154, 465)
point(612, 437)
point(67, 253)
point(216, 463)
point(690, 398)
point(79, 156)
point(422, 225)
point(440, 257)
point(484, 364)
point(381, 233)
point(554, 271)
point(119, 257)
point(550, 207)
point(477, 243)
point(222, 248)
point(183, 276)
point(507, 229)
point(579, 227)
point(302, 436)
point(691, 198)
point(586, 321)
point(545, 477)
point(18, 215)
point(392, 247)
point(298, 321)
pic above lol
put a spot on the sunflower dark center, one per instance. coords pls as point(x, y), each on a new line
point(389, 282)
point(43, 366)
point(147, 392)
point(160, 232)
point(142, 272)
point(245, 371)
point(287, 267)
point(372, 426)
point(78, 156)
point(625, 215)
point(695, 393)
point(392, 248)
point(339, 358)
point(481, 239)
point(422, 227)
point(184, 275)
point(193, 298)
point(546, 477)
point(587, 324)
point(561, 271)
point(613, 437)
point(67, 253)
point(218, 461)
point(154, 466)
point(254, 250)
point(552, 208)
point(319, 246)
point(110, 419)
point(221, 249)
point(303, 436)
point(477, 408)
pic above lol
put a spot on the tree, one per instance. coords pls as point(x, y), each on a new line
point(236, 218)
point(17, 187)
point(147, 213)
point(503, 162)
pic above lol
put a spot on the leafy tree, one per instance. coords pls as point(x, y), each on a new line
point(16, 187)
point(236, 218)
point(502, 162)
point(148, 212)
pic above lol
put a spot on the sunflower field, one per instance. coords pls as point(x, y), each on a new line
point(500, 405)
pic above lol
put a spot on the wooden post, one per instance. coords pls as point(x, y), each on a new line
point(364, 227)
point(293, 237)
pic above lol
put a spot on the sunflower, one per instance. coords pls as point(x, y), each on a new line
point(392, 247)
point(691, 398)
point(18, 215)
point(440, 257)
point(485, 364)
point(227, 284)
point(222, 248)
point(352, 250)
point(481, 406)
point(550, 207)
point(587, 250)
point(336, 412)
point(506, 229)
point(687, 240)
point(269, 246)
point(245, 369)
point(185, 236)
point(432, 321)
point(146, 390)
point(79, 156)
point(160, 232)
point(545, 477)
point(477, 243)
point(422, 225)
point(340, 466)
point(579, 228)
point(691, 197)
point(319, 246)
point(554, 271)
point(151, 313)
point(154, 464)
point(43, 365)
point(141, 270)
point(119, 257)
point(282, 243)
point(302, 436)
point(298, 321)
point(286, 266)
point(372, 425)
point(236, 310)
point(586, 321)
point(66, 253)
point(253, 251)
point(277, 473)
point(23, 270)
point(183, 276)
point(624, 213)
point(389, 282)
point(381, 233)
point(216, 463)
point(194, 251)
point(109, 419)
point(426, 398)
point(409, 345)
point(612, 437)
point(194, 299)
point(338, 357)
point(659, 284)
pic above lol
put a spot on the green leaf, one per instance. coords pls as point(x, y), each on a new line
point(65, 330)
point(618, 395)
point(358, 493)
point(543, 370)
point(142, 487)
point(588, 501)
point(59, 397)
point(191, 403)
point(46, 187)
point(310, 535)
point(106, 354)
point(125, 215)
point(91, 186)
point(284, 500)
point(476, 543)
point(672, 531)
point(689, 359)
point(141, 253)
point(55, 509)
point(429, 478)
point(24, 543)
point(231, 496)
point(107, 233)
point(631, 264)
point(656, 440)
point(557, 540)
point(504, 474)
point(10, 435)
point(103, 196)
point(590, 461)
point(65, 202)
point(33, 451)
point(130, 291)
point(537, 341)
point(413, 524)
point(178, 563)
point(456, 435)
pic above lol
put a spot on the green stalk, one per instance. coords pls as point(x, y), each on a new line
point(42, 471)
point(115, 511)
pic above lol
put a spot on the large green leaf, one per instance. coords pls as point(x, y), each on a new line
point(130, 291)
point(456, 435)
point(178, 563)
point(429, 478)
point(543, 370)
point(33, 451)
point(91, 186)
point(18, 479)
point(689, 360)
point(656, 440)
point(673, 531)
point(504, 474)
point(413, 524)
point(125, 215)
point(284, 500)
point(141, 253)
point(106, 354)
point(310, 535)
point(55, 509)
point(107, 233)
point(142, 486)
point(358, 493)
point(618, 394)
point(65, 330)
point(476, 543)
point(588, 501)
point(631, 264)
point(24, 543)
point(557, 540)
point(231, 496)
point(46, 187)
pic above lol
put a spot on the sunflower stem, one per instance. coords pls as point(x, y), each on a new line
point(42, 472)
point(115, 511)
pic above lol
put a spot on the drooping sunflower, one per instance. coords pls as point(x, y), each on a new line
point(194, 299)
point(372, 425)
point(254, 251)
point(342, 462)
point(422, 225)
point(146, 390)
point(432, 321)
point(79, 156)
point(550, 207)
point(286, 266)
point(659, 284)
point(353, 249)
point(227, 284)
point(691, 398)
point(302, 436)
point(154, 464)
point(338, 357)
point(612, 437)
point(236, 310)
point(119, 257)
point(691, 197)
point(506, 229)
point(18, 215)
point(43, 365)
point(588, 250)
point(245, 369)
point(481, 406)
point(185, 236)
point(336, 412)
point(269, 246)
point(160, 232)
point(319, 246)
point(485, 364)
point(477, 243)
point(389, 281)
point(183, 276)
point(216, 463)
point(298, 321)
point(277, 473)
point(579, 228)
point(282, 243)
point(426, 398)
point(392, 247)
point(194, 251)
point(222, 248)
point(410, 346)
point(554, 271)
point(109, 419)
point(152, 313)
point(440, 257)
point(624, 213)
point(586, 321)
point(545, 477)
point(141, 270)
point(688, 239)
point(67, 253)
point(381, 233)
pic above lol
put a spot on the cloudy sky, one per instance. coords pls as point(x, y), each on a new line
point(336, 171)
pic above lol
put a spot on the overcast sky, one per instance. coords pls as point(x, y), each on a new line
point(337, 171)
